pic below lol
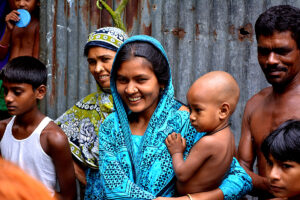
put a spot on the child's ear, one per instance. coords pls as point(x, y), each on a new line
point(41, 92)
point(224, 111)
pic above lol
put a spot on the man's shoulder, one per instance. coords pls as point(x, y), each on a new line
point(258, 98)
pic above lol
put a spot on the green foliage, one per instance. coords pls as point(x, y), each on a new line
point(116, 15)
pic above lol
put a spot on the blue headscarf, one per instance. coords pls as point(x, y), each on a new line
point(148, 172)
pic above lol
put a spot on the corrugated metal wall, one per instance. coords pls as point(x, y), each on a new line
point(198, 35)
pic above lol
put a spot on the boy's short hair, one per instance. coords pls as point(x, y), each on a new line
point(25, 69)
point(283, 143)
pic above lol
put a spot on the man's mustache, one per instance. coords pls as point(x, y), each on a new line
point(273, 68)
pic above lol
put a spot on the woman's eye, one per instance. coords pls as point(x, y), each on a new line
point(105, 59)
point(141, 80)
point(91, 62)
point(121, 80)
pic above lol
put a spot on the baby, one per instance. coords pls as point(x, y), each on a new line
point(212, 100)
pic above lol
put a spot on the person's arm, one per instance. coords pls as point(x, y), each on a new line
point(247, 156)
point(10, 20)
point(79, 173)
point(3, 124)
point(60, 153)
point(216, 194)
point(199, 153)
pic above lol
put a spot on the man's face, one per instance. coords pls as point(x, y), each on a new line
point(279, 57)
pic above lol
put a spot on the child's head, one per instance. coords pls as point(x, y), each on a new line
point(29, 5)
point(25, 69)
point(24, 81)
point(17, 185)
point(212, 99)
point(282, 152)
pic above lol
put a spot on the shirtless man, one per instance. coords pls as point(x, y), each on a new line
point(278, 41)
point(21, 41)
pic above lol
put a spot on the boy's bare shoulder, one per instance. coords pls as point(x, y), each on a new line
point(3, 124)
point(55, 135)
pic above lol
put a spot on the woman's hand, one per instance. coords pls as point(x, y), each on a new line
point(172, 198)
point(79, 173)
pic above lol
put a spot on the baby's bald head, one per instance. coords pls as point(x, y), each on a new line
point(218, 86)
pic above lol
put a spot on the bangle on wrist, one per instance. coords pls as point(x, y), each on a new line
point(4, 46)
point(189, 196)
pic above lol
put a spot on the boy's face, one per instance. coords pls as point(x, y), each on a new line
point(204, 111)
point(284, 178)
point(28, 5)
point(20, 97)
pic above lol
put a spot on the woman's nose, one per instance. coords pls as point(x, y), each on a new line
point(131, 89)
point(99, 68)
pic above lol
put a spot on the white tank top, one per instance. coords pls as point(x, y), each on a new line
point(29, 154)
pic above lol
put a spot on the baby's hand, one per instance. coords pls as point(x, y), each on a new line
point(11, 19)
point(175, 143)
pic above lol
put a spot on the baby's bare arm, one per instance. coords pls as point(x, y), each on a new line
point(184, 170)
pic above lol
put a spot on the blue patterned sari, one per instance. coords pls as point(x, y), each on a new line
point(146, 173)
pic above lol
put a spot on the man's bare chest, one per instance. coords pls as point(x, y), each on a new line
point(268, 116)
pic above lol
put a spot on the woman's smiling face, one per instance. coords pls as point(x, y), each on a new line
point(138, 85)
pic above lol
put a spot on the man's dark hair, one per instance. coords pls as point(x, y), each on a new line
point(283, 143)
point(25, 69)
point(279, 18)
point(146, 50)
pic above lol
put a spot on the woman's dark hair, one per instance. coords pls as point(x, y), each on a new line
point(283, 143)
point(25, 69)
point(279, 18)
point(151, 54)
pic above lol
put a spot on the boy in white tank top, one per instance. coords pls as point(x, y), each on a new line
point(30, 139)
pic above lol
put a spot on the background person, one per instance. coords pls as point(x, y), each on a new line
point(21, 41)
point(81, 122)
point(281, 150)
point(277, 33)
point(17, 185)
point(30, 139)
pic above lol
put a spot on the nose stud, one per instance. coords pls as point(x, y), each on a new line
point(135, 89)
